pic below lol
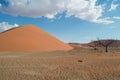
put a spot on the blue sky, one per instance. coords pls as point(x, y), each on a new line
point(68, 20)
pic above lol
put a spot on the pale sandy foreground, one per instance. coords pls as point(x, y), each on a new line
point(60, 65)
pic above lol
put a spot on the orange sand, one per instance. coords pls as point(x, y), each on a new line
point(29, 38)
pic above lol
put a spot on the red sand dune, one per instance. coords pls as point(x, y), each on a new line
point(29, 38)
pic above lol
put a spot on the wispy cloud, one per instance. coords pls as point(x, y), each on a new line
point(116, 17)
point(113, 6)
point(82, 9)
point(0, 5)
point(112, 27)
point(5, 26)
point(105, 21)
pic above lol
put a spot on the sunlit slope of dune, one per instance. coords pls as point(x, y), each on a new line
point(30, 38)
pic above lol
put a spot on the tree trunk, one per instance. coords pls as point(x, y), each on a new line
point(106, 49)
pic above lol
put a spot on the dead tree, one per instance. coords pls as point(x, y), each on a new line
point(105, 43)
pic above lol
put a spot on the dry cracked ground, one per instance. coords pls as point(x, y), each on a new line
point(79, 64)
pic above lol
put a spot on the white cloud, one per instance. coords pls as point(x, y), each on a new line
point(82, 9)
point(34, 8)
point(86, 10)
point(113, 6)
point(5, 26)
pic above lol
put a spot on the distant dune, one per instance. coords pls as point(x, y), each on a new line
point(29, 38)
point(115, 44)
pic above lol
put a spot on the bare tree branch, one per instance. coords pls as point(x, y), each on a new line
point(105, 43)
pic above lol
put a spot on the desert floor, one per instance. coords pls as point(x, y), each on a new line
point(78, 64)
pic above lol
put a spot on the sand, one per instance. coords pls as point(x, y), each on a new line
point(82, 64)
point(29, 38)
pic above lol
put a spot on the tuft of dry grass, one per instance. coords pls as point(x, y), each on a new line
point(80, 61)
